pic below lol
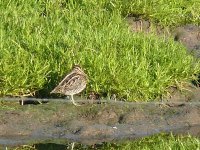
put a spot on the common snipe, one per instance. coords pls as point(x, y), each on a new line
point(73, 83)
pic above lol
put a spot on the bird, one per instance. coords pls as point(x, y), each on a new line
point(72, 84)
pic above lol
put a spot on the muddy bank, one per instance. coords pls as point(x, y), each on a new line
point(60, 121)
point(188, 35)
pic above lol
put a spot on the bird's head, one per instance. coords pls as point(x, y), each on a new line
point(79, 70)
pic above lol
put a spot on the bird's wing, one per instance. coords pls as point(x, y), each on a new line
point(70, 82)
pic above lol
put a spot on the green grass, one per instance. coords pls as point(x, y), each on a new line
point(164, 142)
point(165, 12)
point(156, 142)
point(41, 40)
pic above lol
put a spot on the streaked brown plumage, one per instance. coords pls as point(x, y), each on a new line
point(72, 84)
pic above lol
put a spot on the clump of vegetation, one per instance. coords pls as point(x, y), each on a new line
point(156, 142)
point(165, 12)
point(40, 41)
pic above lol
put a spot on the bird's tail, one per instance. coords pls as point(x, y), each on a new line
point(53, 91)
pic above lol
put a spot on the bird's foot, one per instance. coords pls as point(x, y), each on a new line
point(75, 103)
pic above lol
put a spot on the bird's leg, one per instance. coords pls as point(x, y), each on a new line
point(22, 100)
point(74, 101)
